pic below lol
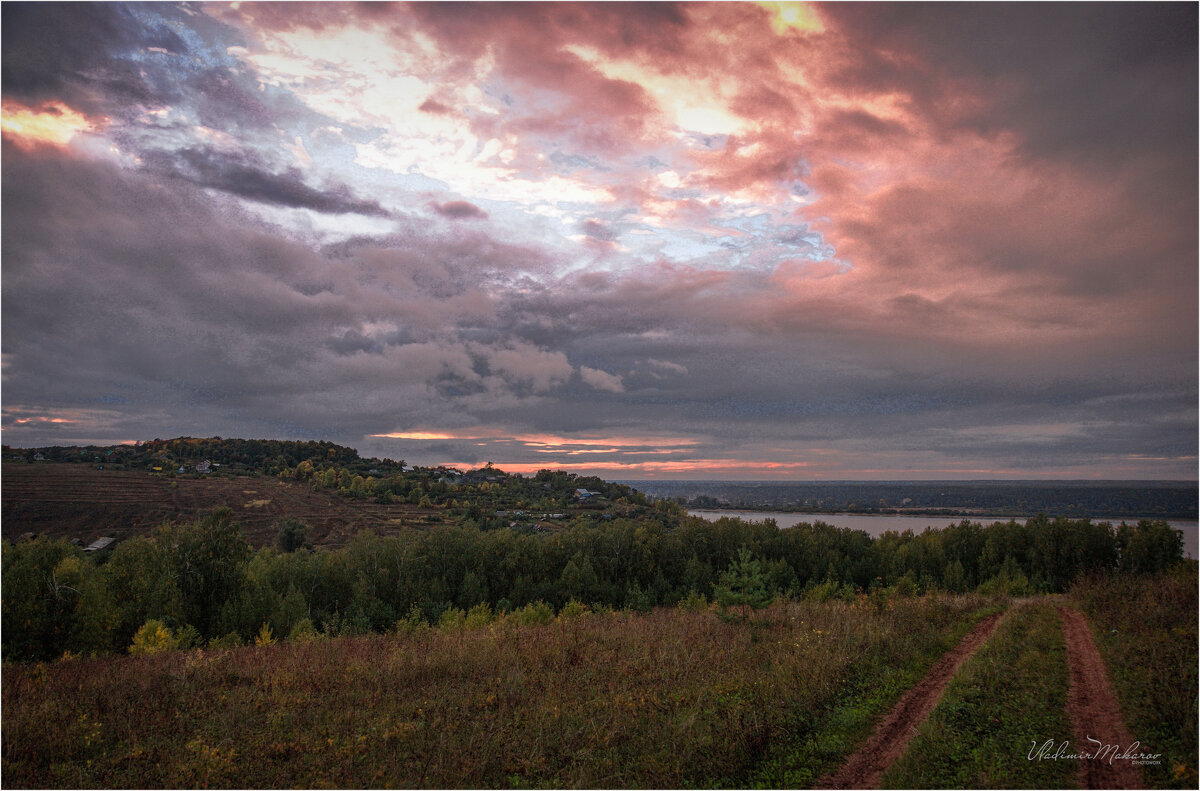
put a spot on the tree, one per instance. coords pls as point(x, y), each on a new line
point(292, 534)
point(40, 595)
point(743, 585)
point(152, 638)
point(1149, 547)
point(141, 581)
point(208, 558)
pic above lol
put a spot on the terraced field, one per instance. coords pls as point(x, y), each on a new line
point(81, 501)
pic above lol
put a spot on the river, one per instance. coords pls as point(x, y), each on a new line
point(877, 525)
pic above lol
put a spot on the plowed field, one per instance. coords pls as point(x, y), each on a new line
point(81, 501)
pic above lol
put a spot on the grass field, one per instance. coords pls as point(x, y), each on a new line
point(670, 699)
point(1011, 695)
point(1146, 631)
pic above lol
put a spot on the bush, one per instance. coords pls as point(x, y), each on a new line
point(264, 636)
point(187, 636)
point(412, 623)
point(303, 631)
point(572, 609)
point(743, 585)
point(452, 620)
point(693, 602)
point(154, 637)
point(533, 614)
point(479, 615)
point(1005, 585)
point(229, 640)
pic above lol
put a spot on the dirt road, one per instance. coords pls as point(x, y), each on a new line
point(1095, 715)
point(865, 767)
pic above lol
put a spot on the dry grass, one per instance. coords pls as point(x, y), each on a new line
point(1008, 697)
point(669, 699)
point(1146, 630)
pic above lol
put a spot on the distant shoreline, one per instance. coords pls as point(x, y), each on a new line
point(952, 513)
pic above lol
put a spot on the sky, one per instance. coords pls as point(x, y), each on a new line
point(698, 241)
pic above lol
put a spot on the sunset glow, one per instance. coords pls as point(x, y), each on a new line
point(53, 122)
point(729, 240)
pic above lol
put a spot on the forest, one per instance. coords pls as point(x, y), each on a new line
point(201, 582)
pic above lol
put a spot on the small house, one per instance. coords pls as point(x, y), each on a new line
point(99, 544)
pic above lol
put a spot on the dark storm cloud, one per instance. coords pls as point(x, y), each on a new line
point(151, 296)
point(598, 230)
point(1031, 310)
point(1104, 81)
point(119, 60)
point(80, 53)
point(459, 210)
point(145, 311)
point(245, 175)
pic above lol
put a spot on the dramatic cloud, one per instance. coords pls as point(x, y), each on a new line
point(460, 210)
point(675, 240)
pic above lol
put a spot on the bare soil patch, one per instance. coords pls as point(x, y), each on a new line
point(1095, 714)
point(81, 501)
point(866, 766)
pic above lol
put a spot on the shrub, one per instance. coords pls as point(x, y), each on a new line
point(303, 631)
point(479, 615)
point(1006, 585)
point(532, 614)
point(743, 585)
point(152, 638)
point(412, 623)
point(572, 609)
point(187, 636)
point(264, 636)
point(823, 592)
point(637, 599)
point(906, 585)
point(693, 602)
point(229, 640)
point(452, 620)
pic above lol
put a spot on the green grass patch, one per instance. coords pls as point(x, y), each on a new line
point(669, 699)
point(1146, 630)
point(1008, 697)
point(821, 733)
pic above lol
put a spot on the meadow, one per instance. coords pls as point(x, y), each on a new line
point(674, 698)
point(610, 642)
point(1146, 631)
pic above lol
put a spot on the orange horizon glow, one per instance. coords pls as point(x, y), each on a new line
point(51, 122)
point(692, 465)
point(555, 441)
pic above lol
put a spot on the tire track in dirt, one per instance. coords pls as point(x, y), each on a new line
point(1095, 714)
point(866, 766)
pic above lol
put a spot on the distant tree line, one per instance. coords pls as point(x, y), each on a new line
point(244, 456)
point(201, 582)
point(1161, 499)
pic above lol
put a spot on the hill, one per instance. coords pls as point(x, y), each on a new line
point(60, 500)
point(125, 490)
